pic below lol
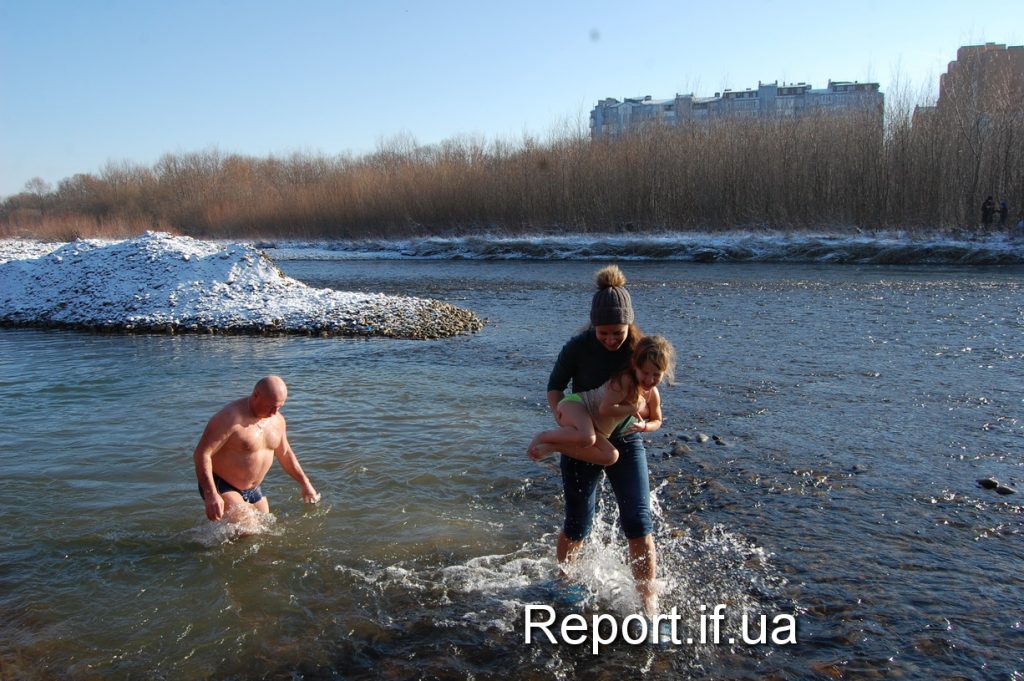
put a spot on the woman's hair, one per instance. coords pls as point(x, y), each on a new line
point(633, 336)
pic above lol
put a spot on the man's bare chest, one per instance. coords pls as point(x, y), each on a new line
point(254, 440)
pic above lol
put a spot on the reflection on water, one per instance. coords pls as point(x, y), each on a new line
point(854, 407)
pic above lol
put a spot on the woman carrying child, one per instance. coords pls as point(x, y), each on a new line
point(588, 361)
point(628, 401)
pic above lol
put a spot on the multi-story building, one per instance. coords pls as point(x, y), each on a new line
point(983, 80)
point(987, 78)
point(611, 117)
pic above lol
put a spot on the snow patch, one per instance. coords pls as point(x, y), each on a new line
point(159, 282)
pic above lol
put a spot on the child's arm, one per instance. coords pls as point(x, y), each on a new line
point(614, 402)
point(653, 415)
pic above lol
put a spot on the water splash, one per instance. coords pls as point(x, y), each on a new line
point(698, 569)
point(242, 521)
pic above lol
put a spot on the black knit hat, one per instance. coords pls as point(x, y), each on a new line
point(611, 304)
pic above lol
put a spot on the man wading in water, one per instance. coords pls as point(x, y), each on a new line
point(238, 447)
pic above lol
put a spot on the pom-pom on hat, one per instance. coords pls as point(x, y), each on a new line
point(611, 304)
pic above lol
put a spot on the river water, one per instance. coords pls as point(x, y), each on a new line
point(855, 407)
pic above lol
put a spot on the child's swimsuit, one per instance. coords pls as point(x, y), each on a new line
point(251, 495)
point(591, 399)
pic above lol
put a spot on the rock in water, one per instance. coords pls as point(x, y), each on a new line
point(679, 450)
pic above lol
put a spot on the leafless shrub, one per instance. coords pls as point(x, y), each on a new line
point(925, 170)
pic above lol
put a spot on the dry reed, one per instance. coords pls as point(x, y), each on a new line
point(930, 170)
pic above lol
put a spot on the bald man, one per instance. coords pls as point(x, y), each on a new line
point(238, 447)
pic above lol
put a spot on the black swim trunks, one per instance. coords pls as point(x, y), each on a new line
point(251, 495)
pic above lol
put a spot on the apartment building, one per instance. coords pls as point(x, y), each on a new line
point(982, 81)
point(989, 77)
point(611, 117)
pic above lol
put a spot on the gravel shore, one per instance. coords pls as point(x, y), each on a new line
point(157, 283)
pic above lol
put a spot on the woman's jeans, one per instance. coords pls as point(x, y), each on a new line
point(629, 481)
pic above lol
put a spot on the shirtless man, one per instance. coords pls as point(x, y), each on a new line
point(238, 447)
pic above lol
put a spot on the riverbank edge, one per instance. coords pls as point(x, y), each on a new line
point(160, 284)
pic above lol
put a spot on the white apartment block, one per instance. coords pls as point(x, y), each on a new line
point(611, 118)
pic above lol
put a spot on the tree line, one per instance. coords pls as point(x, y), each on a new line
point(930, 170)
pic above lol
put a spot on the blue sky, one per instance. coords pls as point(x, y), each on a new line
point(87, 82)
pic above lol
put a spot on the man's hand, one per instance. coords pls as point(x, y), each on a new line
point(310, 495)
point(214, 505)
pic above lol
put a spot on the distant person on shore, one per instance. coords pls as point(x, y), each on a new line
point(238, 447)
point(1004, 212)
point(988, 208)
point(588, 360)
point(629, 402)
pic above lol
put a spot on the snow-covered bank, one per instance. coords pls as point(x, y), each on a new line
point(161, 283)
point(15, 249)
point(951, 247)
point(887, 248)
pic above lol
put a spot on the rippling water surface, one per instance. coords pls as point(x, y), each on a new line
point(856, 406)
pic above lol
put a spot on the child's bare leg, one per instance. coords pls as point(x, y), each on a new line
point(603, 452)
point(577, 430)
point(576, 438)
point(589, 446)
point(555, 440)
point(539, 449)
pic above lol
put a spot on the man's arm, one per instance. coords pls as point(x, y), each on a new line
point(291, 466)
point(213, 438)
